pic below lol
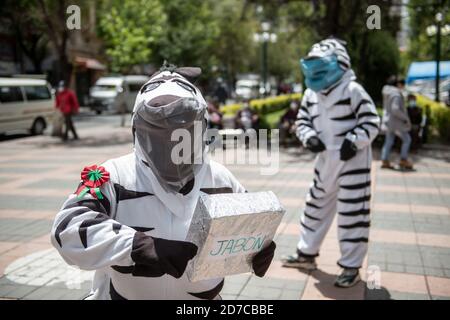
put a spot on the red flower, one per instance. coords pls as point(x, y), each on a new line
point(94, 176)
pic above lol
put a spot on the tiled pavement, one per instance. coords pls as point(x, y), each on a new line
point(409, 241)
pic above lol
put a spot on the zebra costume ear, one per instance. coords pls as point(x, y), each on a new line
point(190, 73)
point(343, 42)
point(331, 46)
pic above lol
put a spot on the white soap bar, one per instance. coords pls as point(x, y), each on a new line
point(229, 229)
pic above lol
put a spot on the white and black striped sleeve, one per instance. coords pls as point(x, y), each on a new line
point(85, 234)
point(305, 127)
point(368, 121)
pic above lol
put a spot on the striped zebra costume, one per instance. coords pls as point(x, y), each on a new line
point(125, 224)
point(342, 112)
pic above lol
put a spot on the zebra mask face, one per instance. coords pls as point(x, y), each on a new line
point(169, 125)
point(325, 64)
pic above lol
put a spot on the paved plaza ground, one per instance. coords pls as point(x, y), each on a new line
point(409, 239)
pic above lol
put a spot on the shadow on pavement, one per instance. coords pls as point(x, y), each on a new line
point(324, 283)
point(7, 137)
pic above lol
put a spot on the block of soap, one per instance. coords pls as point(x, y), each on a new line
point(229, 229)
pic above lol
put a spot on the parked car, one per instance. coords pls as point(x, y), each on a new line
point(115, 93)
point(25, 104)
point(247, 89)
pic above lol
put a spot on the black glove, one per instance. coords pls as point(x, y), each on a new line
point(261, 261)
point(315, 145)
point(155, 257)
point(348, 150)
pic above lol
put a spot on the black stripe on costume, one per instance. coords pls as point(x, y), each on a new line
point(114, 294)
point(355, 200)
point(304, 109)
point(365, 130)
point(354, 172)
point(210, 294)
point(318, 188)
point(217, 190)
point(350, 116)
point(317, 174)
point(306, 125)
point(368, 124)
point(125, 194)
point(310, 104)
point(343, 64)
point(65, 222)
point(313, 195)
point(311, 217)
point(309, 204)
point(343, 134)
point(361, 224)
point(116, 227)
point(355, 240)
point(367, 114)
point(142, 229)
point(82, 230)
point(314, 117)
point(347, 101)
point(363, 101)
point(356, 186)
point(306, 227)
point(355, 213)
point(92, 204)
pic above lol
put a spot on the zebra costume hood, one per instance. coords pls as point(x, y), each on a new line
point(325, 65)
point(330, 47)
point(169, 126)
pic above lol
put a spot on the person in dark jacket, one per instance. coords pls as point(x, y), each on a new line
point(415, 117)
point(287, 123)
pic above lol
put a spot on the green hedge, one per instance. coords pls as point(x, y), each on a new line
point(264, 106)
point(439, 115)
point(270, 111)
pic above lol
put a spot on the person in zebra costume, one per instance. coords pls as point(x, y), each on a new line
point(129, 217)
point(338, 121)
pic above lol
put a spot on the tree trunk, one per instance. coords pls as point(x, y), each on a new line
point(58, 36)
point(331, 20)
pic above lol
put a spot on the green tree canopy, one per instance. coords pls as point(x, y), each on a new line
point(131, 29)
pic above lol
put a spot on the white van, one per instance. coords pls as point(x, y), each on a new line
point(25, 104)
point(115, 94)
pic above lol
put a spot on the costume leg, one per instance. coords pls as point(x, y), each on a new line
point(320, 206)
point(354, 209)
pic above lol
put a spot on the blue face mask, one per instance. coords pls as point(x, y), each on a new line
point(321, 73)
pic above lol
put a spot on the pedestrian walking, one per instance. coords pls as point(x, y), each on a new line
point(396, 122)
point(67, 103)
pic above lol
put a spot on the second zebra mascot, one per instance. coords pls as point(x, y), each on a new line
point(338, 121)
